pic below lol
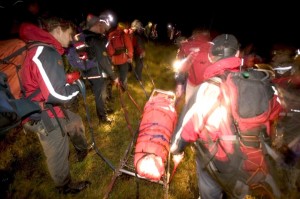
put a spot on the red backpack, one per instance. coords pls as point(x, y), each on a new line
point(243, 146)
point(117, 42)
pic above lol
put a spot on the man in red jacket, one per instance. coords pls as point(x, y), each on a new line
point(193, 54)
point(207, 121)
point(44, 79)
point(120, 50)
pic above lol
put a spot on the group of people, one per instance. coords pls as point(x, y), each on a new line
point(104, 56)
point(101, 60)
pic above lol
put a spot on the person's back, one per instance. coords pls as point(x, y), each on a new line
point(228, 162)
point(195, 51)
point(120, 50)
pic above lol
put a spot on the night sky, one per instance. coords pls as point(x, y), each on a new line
point(249, 21)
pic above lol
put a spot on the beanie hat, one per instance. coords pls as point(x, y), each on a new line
point(225, 45)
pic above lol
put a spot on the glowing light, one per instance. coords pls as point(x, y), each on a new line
point(178, 64)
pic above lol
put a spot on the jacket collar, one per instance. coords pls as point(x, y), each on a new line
point(219, 67)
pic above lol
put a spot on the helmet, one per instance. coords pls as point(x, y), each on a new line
point(136, 25)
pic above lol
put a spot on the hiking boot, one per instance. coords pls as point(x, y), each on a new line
point(105, 120)
point(73, 187)
point(81, 155)
point(109, 111)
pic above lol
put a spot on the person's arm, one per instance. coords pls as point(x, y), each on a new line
point(193, 117)
point(52, 78)
point(103, 58)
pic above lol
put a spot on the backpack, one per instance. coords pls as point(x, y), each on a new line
point(244, 145)
point(14, 106)
point(117, 42)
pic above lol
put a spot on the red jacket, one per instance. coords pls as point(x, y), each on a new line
point(43, 69)
point(200, 44)
point(201, 118)
point(120, 50)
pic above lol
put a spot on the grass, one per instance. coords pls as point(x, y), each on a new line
point(23, 170)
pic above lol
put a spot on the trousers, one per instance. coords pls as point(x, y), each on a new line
point(56, 146)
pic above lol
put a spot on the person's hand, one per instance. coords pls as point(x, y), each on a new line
point(142, 55)
point(177, 158)
point(117, 82)
point(129, 60)
point(179, 90)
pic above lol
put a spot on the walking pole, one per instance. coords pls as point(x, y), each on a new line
point(82, 90)
point(141, 83)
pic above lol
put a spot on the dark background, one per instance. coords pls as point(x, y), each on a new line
point(258, 22)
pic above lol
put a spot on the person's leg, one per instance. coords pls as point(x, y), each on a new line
point(123, 71)
point(76, 131)
point(208, 188)
point(56, 150)
point(97, 88)
point(190, 89)
point(138, 68)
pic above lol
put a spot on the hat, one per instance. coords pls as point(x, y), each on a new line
point(136, 25)
point(225, 45)
point(91, 20)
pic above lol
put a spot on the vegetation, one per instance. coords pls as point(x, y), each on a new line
point(23, 170)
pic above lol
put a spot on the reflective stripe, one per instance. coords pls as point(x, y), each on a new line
point(228, 137)
point(93, 77)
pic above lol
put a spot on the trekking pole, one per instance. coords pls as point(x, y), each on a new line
point(141, 83)
point(94, 146)
point(166, 184)
point(176, 163)
point(147, 72)
point(129, 126)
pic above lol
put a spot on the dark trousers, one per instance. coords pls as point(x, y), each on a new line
point(123, 72)
point(208, 187)
point(99, 88)
point(139, 65)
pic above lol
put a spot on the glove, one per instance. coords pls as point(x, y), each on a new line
point(142, 55)
point(177, 158)
point(72, 77)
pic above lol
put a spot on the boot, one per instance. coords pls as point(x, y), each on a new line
point(73, 187)
point(105, 120)
point(81, 155)
point(109, 111)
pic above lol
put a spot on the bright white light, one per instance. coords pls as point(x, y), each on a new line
point(178, 64)
point(110, 18)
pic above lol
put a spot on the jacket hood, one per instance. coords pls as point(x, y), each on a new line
point(219, 67)
point(30, 32)
point(200, 38)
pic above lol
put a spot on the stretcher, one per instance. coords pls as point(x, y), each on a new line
point(147, 156)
